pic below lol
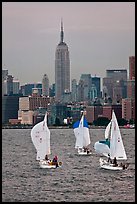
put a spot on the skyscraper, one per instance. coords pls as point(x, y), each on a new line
point(62, 68)
point(45, 85)
point(131, 67)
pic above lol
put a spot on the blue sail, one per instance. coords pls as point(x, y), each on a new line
point(76, 124)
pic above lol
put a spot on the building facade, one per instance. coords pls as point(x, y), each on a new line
point(117, 88)
point(131, 67)
point(45, 85)
point(10, 107)
point(128, 108)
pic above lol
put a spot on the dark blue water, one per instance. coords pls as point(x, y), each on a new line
point(79, 179)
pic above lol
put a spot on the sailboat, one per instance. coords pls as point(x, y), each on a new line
point(117, 150)
point(81, 132)
point(40, 135)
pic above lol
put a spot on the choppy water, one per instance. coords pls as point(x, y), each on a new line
point(78, 180)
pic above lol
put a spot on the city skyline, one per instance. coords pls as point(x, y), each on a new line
point(99, 35)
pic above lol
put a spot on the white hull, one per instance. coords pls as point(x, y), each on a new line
point(84, 153)
point(47, 165)
point(105, 165)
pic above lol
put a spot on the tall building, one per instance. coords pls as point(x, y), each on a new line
point(45, 85)
point(9, 85)
point(128, 108)
point(96, 82)
point(74, 90)
point(4, 76)
point(131, 81)
point(131, 67)
point(117, 88)
point(10, 107)
point(16, 86)
point(62, 68)
point(84, 87)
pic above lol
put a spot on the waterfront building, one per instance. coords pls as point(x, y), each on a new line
point(10, 106)
point(128, 108)
point(62, 68)
point(29, 104)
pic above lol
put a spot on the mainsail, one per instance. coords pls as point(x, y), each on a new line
point(81, 132)
point(40, 136)
point(116, 144)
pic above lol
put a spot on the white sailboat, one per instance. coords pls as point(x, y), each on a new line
point(81, 132)
point(40, 135)
point(117, 150)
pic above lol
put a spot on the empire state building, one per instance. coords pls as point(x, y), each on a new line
point(62, 68)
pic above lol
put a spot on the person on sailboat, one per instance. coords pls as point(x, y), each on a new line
point(115, 162)
point(55, 161)
point(46, 157)
point(86, 149)
point(109, 159)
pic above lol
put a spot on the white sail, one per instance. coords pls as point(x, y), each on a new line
point(116, 144)
point(107, 130)
point(40, 136)
point(81, 132)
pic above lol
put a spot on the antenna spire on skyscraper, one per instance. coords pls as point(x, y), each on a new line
point(62, 33)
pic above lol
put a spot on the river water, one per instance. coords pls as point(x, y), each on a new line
point(80, 178)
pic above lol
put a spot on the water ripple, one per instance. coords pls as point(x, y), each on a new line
point(80, 179)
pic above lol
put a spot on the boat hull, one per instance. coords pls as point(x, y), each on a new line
point(105, 165)
point(84, 153)
point(48, 165)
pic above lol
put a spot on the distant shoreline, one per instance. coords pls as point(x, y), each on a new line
point(59, 127)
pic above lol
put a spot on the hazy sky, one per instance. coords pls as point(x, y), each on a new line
point(100, 36)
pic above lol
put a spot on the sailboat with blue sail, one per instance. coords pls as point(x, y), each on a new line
point(81, 132)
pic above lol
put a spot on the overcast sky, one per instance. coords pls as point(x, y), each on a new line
point(100, 36)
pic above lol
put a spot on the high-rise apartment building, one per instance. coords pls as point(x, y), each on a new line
point(62, 68)
point(45, 85)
